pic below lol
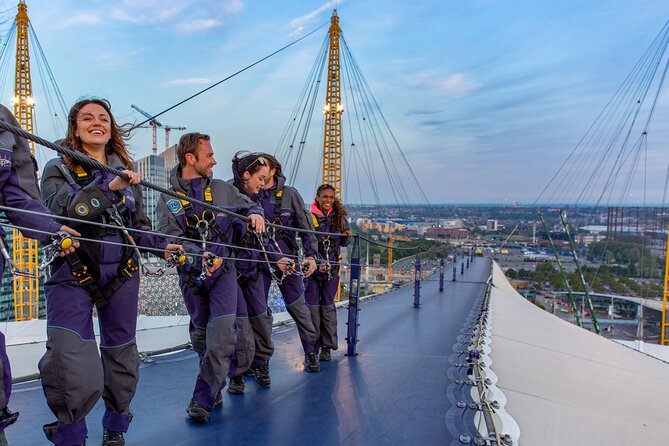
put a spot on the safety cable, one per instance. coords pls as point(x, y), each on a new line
point(227, 78)
point(85, 160)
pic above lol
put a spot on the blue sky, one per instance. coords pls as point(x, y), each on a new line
point(486, 97)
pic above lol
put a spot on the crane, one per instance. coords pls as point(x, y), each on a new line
point(155, 124)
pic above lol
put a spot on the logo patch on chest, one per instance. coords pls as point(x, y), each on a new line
point(81, 209)
point(95, 203)
point(174, 206)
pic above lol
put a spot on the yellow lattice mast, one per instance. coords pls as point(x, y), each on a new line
point(332, 153)
point(664, 338)
point(26, 289)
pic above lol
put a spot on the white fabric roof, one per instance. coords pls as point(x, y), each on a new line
point(567, 386)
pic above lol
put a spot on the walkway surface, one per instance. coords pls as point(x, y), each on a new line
point(393, 393)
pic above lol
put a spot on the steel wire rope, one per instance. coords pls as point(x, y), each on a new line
point(310, 89)
point(296, 107)
point(85, 160)
point(42, 156)
point(4, 58)
point(306, 115)
point(227, 78)
point(143, 248)
point(392, 172)
point(370, 126)
point(356, 108)
point(604, 112)
point(390, 132)
point(141, 231)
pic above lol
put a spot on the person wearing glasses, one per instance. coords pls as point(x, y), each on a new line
point(251, 171)
point(328, 214)
point(208, 280)
point(74, 374)
point(18, 190)
point(284, 206)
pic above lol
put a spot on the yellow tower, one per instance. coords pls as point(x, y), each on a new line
point(664, 334)
point(332, 152)
point(26, 289)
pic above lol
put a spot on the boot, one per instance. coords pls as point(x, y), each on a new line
point(311, 364)
point(112, 438)
point(261, 372)
point(325, 354)
point(197, 413)
point(236, 386)
point(218, 399)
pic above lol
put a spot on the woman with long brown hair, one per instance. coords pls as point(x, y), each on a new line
point(328, 214)
point(103, 275)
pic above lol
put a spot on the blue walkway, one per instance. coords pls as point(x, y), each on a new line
point(393, 393)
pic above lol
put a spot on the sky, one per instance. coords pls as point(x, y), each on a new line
point(486, 97)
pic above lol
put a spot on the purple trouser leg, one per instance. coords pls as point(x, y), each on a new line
point(5, 370)
point(260, 318)
point(245, 347)
point(320, 295)
point(292, 291)
point(212, 332)
point(73, 374)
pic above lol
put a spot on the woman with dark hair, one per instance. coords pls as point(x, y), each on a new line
point(284, 206)
point(250, 172)
point(73, 374)
point(329, 216)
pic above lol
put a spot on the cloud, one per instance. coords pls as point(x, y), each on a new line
point(148, 12)
point(197, 25)
point(299, 23)
point(423, 112)
point(456, 84)
point(187, 81)
point(82, 18)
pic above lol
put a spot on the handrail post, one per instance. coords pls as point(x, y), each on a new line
point(416, 283)
point(441, 272)
point(354, 294)
point(455, 266)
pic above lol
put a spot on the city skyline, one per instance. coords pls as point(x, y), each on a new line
point(486, 98)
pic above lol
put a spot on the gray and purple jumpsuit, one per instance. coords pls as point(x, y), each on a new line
point(321, 287)
point(73, 374)
point(284, 205)
point(219, 328)
point(251, 281)
point(18, 189)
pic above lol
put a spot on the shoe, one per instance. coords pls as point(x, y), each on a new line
point(250, 373)
point(236, 386)
point(261, 372)
point(112, 438)
point(218, 399)
point(311, 364)
point(325, 354)
point(197, 413)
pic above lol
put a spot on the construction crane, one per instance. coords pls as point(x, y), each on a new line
point(155, 124)
point(26, 289)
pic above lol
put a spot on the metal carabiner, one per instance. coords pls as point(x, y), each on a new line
point(13, 269)
point(60, 241)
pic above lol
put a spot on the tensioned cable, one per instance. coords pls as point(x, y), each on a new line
point(227, 78)
point(85, 160)
point(143, 231)
point(144, 248)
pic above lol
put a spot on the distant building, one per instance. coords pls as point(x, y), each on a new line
point(450, 233)
point(170, 157)
point(152, 168)
point(491, 225)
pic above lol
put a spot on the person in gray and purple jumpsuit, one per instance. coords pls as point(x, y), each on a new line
point(284, 205)
point(251, 171)
point(73, 374)
point(18, 190)
point(329, 216)
point(213, 300)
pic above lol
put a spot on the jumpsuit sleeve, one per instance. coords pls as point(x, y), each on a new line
point(141, 221)
point(303, 221)
point(64, 197)
point(343, 240)
point(15, 197)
